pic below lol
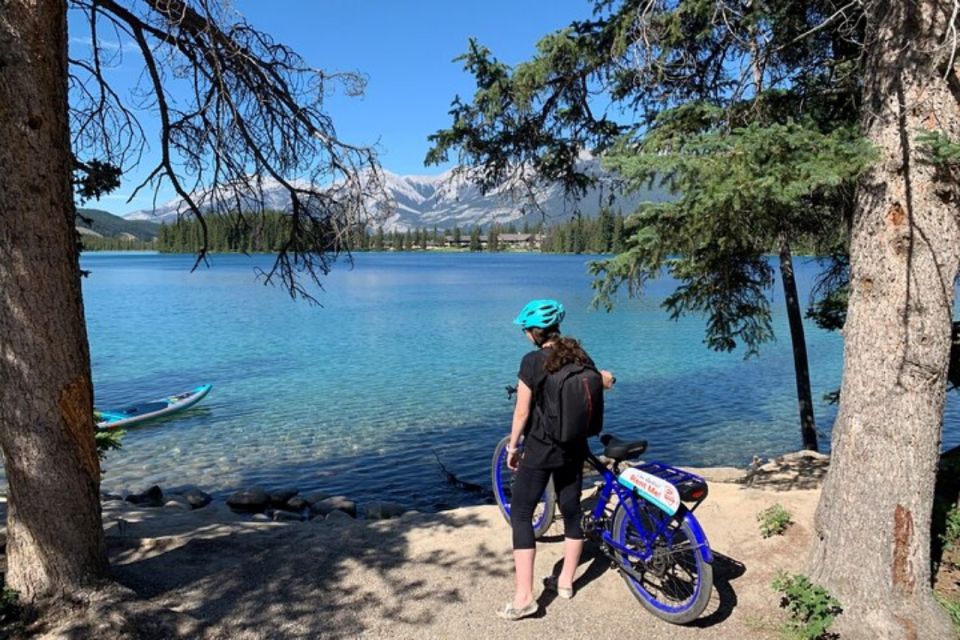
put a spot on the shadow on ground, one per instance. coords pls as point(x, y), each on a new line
point(334, 579)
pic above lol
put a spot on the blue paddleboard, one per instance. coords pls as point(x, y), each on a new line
point(137, 413)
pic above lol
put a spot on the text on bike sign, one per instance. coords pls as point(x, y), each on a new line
point(650, 487)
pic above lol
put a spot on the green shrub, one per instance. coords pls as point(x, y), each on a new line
point(773, 521)
point(951, 535)
point(9, 606)
point(811, 607)
point(107, 440)
point(952, 608)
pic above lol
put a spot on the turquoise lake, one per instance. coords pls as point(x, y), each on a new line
point(406, 362)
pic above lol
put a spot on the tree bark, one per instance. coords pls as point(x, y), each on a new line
point(808, 425)
point(873, 520)
point(55, 541)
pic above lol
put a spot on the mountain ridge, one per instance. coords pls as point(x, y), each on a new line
point(448, 199)
point(103, 224)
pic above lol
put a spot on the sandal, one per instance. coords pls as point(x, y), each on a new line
point(550, 583)
point(509, 613)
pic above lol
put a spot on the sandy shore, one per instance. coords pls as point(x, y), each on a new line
point(439, 575)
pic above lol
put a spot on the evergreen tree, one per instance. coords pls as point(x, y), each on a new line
point(617, 242)
point(751, 116)
point(605, 224)
point(559, 240)
point(379, 243)
point(475, 244)
point(457, 237)
point(493, 239)
point(538, 115)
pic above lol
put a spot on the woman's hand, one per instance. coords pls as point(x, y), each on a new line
point(513, 460)
point(608, 379)
point(521, 412)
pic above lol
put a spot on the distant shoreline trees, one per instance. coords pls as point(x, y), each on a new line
point(233, 234)
point(603, 234)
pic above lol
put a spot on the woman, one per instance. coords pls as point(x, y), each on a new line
point(542, 458)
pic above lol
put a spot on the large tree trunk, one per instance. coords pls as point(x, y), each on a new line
point(808, 425)
point(54, 537)
point(873, 520)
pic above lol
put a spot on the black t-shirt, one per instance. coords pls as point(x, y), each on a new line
point(539, 451)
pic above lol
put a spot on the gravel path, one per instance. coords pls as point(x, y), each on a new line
point(429, 575)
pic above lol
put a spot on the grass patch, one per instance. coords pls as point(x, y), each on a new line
point(952, 608)
point(773, 521)
point(811, 607)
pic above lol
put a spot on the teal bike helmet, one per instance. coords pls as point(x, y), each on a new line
point(540, 313)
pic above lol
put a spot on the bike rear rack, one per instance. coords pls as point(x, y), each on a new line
point(691, 487)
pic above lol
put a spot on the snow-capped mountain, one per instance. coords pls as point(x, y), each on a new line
point(448, 199)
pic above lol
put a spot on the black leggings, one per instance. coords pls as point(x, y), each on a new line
point(528, 486)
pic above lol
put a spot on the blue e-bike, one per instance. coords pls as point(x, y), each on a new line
point(643, 521)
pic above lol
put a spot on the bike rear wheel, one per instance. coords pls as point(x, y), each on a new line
point(503, 479)
point(676, 582)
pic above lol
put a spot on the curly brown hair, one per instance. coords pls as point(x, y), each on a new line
point(564, 350)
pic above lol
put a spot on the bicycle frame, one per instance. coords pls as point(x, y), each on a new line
point(632, 503)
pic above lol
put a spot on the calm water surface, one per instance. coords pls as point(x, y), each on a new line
point(407, 360)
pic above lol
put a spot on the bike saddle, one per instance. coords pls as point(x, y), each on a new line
point(618, 450)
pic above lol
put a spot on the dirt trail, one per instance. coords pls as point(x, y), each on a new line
point(437, 575)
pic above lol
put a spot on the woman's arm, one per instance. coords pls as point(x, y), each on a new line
point(521, 412)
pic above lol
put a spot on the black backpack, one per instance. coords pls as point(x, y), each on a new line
point(571, 404)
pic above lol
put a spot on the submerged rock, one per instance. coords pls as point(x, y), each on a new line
point(335, 503)
point(198, 499)
point(279, 497)
point(286, 516)
point(383, 510)
point(296, 503)
point(178, 502)
point(315, 497)
point(152, 497)
point(192, 494)
point(252, 500)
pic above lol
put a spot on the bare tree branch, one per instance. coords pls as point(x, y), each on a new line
point(239, 114)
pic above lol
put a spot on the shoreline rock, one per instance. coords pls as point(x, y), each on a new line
point(177, 502)
point(795, 470)
point(383, 510)
point(152, 497)
point(252, 500)
point(279, 497)
point(334, 503)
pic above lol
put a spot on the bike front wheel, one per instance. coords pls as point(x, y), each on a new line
point(503, 479)
point(675, 583)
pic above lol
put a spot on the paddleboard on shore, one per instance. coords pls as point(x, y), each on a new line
point(137, 413)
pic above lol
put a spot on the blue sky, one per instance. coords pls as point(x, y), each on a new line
point(405, 48)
